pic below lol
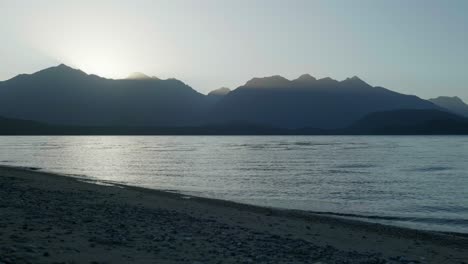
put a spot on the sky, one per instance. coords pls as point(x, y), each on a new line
point(414, 47)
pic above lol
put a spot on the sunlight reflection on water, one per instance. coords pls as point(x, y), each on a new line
point(421, 181)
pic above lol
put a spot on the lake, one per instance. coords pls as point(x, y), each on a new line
point(413, 181)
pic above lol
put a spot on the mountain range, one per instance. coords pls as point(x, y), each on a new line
point(62, 97)
point(308, 102)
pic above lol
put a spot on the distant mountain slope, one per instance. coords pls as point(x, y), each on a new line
point(62, 95)
point(216, 95)
point(10, 126)
point(399, 122)
point(308, 102)
point(220, 91)
point(453, 104)
point(417, 122)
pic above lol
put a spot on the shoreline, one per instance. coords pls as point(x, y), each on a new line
point(307, 237)
point(347, 217)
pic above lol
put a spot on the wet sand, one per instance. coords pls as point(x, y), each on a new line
point(49, 218)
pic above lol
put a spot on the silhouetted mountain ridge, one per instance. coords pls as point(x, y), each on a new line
point(323, 103)
point(66, 96)
point(63, 95)
point(267, 82)
point(453, 104)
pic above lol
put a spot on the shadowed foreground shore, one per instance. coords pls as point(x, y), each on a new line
point(48, 218)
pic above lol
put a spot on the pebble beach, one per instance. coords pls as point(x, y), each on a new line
point(50, 218)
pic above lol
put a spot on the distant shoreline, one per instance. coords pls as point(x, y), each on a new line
point(401, 122)
point(146, 225)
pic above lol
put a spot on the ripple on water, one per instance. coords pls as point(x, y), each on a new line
point(355, 166)
point(414, 177)
point(431, 169)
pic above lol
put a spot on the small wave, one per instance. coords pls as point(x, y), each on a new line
point(428, 220)
point(263, 169)
point(446, 208)
point(355, 166)
point(307, 143)
point(364, 147)
point(333, 171)
point(175, 150)
point(432, 169)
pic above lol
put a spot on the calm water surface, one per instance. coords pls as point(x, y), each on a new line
point(418, 182)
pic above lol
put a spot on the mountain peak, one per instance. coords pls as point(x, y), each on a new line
point(306, 78)
point(220, 91)
point(272, 81)
point(62, 70)
point(62, 66)
point(450, 98)
point(328, 80)
point(454, 104)
point(138, 76)
point(355, 81)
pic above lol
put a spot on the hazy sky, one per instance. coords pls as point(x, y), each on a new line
point(415, 47)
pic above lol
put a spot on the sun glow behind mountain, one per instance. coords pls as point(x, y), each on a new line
point(211, 44)
point(110, 43)
point(107, 53)
point(99, 63)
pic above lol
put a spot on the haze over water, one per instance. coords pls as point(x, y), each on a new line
point(412, 181)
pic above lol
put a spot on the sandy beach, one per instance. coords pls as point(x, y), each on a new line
point(49, 218)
